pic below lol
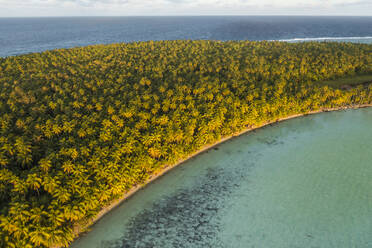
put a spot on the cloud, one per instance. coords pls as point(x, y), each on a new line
point(94, 2)
point(356, 3)
point(182, 7)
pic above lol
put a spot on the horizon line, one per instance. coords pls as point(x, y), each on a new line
point(191, 15)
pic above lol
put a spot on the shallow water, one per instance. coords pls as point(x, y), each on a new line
point(305, 182)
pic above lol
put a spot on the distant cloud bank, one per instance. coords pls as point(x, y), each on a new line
point(183, 7)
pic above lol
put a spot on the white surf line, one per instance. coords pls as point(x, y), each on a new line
point(326, 38)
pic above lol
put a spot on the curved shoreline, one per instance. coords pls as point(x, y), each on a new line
point(81, 229)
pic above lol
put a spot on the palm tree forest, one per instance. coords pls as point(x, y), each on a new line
point(82, 126)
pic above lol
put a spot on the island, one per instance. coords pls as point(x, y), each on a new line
point(82, 127)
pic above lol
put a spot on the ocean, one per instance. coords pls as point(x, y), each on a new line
point(27, 35)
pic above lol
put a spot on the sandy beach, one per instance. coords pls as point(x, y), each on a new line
point(80, 228)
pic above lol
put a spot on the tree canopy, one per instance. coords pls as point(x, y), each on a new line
point(79, 127)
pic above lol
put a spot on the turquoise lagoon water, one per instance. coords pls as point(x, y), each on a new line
point(305, 182)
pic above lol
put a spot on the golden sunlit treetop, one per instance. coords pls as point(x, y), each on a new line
point(79, 127)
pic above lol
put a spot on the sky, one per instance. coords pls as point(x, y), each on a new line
point(23, 8)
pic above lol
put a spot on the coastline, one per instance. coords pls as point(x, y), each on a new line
point(80, 229)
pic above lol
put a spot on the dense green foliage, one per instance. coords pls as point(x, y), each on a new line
point(347, 82)
point(79, 127)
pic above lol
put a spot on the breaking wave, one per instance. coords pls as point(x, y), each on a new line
point(324, 39)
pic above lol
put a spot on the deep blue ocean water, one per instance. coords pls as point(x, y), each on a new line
point(26, 35)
